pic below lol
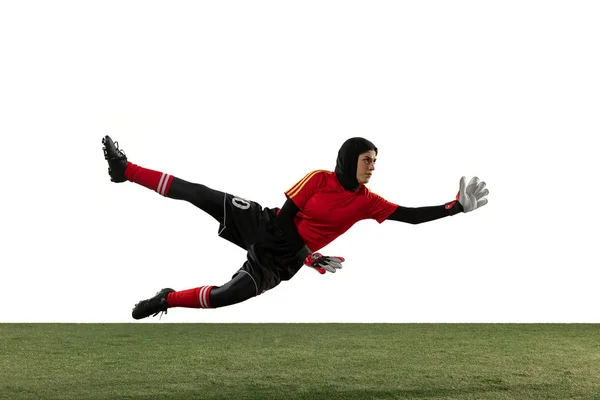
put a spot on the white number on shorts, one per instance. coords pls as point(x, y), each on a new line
point(241, 203)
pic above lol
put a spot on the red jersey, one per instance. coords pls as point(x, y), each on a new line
point(327, 210)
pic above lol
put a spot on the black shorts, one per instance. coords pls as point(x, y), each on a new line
point(270, 259)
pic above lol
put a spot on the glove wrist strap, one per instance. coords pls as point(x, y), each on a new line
point(454, 207)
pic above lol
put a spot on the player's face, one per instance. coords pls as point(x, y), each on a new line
point(366, 166)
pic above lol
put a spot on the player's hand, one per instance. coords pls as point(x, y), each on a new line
point(472, 196)
point(323, 263)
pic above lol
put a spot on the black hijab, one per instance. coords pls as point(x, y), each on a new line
point(347, 159)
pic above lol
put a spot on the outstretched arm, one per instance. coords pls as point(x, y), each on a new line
point(418, 215)
point(469, 198)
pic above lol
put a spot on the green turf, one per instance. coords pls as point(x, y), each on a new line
point(299, 361)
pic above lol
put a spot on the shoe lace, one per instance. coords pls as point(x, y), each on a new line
point(119, 150)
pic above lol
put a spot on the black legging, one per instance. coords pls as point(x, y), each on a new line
point(242, 286)
point(203, 197)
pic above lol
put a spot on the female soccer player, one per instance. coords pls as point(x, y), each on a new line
point(279, 241)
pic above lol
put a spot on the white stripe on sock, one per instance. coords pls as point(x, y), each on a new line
point(164, 188)
point(160, 182)
point(202, 293)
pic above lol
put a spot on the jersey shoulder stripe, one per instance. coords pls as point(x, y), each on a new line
point(298, 186)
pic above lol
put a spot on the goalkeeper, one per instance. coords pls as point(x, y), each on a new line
point(279, 241)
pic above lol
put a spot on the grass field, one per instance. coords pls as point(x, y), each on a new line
point(299, 361)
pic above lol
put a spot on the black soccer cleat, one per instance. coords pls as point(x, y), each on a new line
point(117, 160)
point(152, 306)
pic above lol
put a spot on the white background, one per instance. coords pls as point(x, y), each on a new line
point(247, 97)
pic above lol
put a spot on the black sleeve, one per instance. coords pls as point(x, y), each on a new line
point(285, 221)
point(418, 215)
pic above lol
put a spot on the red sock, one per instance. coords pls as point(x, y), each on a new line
point(153, 180)
point(191, 298)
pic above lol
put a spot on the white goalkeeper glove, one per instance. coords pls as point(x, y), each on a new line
point(472, 196)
